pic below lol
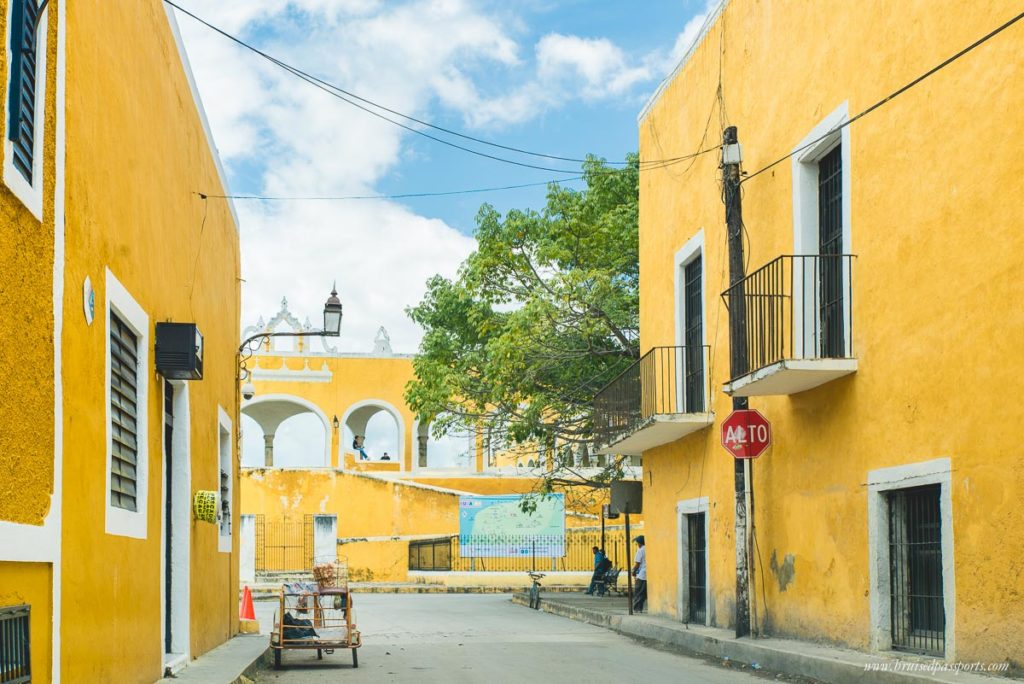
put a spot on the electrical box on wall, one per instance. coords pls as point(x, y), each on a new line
point(179, 351)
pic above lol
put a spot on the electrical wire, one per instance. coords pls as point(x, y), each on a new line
point(896, 93)
point(448, 193)
point(354, 100)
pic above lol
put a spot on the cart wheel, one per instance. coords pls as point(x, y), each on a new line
point(319, 654)
point(277, 659)
point(355, 657)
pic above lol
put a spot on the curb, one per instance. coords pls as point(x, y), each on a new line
point(782, 656)
point(271, 594)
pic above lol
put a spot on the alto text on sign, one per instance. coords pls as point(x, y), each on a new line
point(746, 433)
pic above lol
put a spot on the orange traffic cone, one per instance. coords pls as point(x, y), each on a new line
point(247, 612)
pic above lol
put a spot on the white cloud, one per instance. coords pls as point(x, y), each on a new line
point(282, 136)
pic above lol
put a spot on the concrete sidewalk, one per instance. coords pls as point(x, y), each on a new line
point(783, 656)
point(226, 664)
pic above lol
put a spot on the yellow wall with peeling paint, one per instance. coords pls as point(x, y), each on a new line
point(136, 155)
point(27, 325)
point(936, 298)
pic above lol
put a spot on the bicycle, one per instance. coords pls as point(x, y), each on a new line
point(535, 577)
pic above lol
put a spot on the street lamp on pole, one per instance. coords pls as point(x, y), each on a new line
point(332, 328)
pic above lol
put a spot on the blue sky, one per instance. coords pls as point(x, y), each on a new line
point(565, 78)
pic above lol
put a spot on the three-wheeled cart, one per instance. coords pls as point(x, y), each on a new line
point(316, 615)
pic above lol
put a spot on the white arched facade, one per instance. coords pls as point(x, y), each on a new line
point(272, 419)
point(358, 414)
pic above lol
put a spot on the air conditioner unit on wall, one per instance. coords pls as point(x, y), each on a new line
point(179, 351)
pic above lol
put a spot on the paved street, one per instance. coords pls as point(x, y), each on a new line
point(485, 638)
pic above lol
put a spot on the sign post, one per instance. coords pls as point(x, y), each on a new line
point(746, 433)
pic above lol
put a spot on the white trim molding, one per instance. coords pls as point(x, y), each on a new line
point(31, 194)
point(880, 483)
point(225, 452)
point(119, 521)
point(683, 509)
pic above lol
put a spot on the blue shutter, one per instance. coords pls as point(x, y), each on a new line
point(22, 88)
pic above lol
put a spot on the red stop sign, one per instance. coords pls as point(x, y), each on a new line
point(746, 433)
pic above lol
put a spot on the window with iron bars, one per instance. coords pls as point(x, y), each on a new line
point(697, 571)
point(694, 335)
point(21, 90)
point(915, 570)
point(830, 247)
point(15, 651)
point(124, 403)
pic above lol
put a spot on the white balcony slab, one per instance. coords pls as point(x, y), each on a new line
point(790, 376)
point(657, 430)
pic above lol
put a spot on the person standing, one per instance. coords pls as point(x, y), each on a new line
point(640, 573)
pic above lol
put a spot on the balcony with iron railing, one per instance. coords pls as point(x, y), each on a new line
point(662, 397)
point(795, 314)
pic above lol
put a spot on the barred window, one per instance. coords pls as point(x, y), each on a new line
point(22, 87)
point(124, 400)
point(15, 655)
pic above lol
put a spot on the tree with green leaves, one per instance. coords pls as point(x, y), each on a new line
point(541, 316)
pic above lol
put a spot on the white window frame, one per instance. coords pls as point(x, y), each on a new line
point(30, 194)
point(119, 521)
point(683, 509)
point(224, 427)
point(805, 220)
point(880, 483)
point(693, 248)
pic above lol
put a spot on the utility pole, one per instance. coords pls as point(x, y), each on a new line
point(738, 362)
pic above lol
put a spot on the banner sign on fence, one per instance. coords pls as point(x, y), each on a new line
point(497, 527)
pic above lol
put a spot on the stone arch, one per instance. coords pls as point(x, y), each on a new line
point(270, 410)
point(358, 415)
point(421, 455)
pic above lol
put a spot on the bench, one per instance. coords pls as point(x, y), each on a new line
point(609, 582)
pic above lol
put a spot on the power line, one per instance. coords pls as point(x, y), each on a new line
point(892, 95)
point(406, 195)
point(446, 193)
point(349, 97)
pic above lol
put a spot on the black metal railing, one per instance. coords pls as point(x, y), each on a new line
point(797, 306)
point(572, 552)
point(665, 380)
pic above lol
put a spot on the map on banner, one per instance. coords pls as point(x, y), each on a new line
point(496, 526)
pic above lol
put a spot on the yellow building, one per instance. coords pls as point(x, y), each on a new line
point(105, 148)
point(886, 353)
point(306, 507)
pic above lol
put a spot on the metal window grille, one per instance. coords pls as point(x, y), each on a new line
point(830, 242)
point(22, 88)
point(915, 570)
point(694, 336)
point(697, 575)
point(225, 504)
point(15, 654)
point(124, 403)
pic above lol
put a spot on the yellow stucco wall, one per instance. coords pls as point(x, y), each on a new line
point(136, 155)
point(936, 302)
point(26, 328)
point(30, 583)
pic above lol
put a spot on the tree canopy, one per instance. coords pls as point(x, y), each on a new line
point(542, 315)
